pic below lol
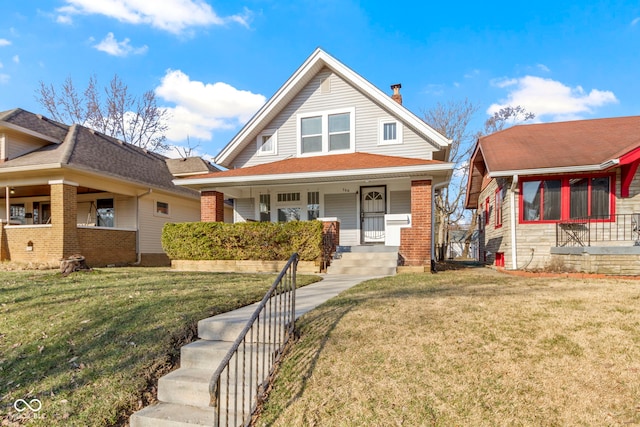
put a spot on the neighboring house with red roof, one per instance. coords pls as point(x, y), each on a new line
point(69, 190)
point(329, 145)
point(559, 195)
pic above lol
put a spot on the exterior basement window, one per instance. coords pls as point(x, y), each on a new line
point(568, 198)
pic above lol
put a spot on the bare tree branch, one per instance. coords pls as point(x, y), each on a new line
point(136, 120)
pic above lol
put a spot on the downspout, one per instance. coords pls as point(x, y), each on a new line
point(512, 202)
point(138, 254)
point(8, 203)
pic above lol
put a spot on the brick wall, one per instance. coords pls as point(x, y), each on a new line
point(415, 246)
point(103, 247)
point(211, 206)
point(44, 248)
point(64, 219)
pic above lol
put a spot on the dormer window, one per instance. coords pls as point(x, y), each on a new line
point(326, 132)
point(267, 143)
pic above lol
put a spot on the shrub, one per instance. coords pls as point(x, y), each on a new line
point(264, 241)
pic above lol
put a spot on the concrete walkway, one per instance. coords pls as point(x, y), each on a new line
point(307, 298)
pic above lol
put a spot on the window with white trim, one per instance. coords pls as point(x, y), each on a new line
point(162, 208)
point(265, 208)
point(267, 143)
point(289, 208)
point(389, 132)
point(326, 132)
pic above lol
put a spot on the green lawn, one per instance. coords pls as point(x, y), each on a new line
point(90, 346)
point(465, 348)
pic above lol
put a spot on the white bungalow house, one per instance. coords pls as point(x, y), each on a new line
point(329, 145)
point(561, 196)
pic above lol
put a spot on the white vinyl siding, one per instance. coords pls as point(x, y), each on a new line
point(150, 225)
point(400, 202)
point(345, 208)
point(245, 210)
point(341, 96)
point(15, 144)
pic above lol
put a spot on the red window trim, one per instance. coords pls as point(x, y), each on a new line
point(498, 208)
point(564, 196)
point(487, 211)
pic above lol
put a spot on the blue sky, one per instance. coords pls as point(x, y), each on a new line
point(214, 63)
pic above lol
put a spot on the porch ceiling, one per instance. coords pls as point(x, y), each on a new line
point(40, 191)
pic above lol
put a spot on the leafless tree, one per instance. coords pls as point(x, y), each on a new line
point(136, 120)
point(452, 120)
point(506, 117)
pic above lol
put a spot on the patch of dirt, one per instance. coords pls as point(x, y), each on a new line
point(159, 368)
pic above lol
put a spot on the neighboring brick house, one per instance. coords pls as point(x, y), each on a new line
point(560, 195)
point(331, 145)
point(69, 190)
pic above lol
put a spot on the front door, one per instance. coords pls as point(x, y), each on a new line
point(373, 206)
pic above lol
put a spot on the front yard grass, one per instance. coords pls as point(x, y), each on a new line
point(90, 346)
point(470, 347)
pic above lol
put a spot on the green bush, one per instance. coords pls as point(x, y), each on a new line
point(264, 241)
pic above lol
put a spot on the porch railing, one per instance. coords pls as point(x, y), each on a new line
point(593, 230)
point(241, 380)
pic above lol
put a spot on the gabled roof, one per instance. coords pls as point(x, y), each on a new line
point(188, 166)
point(77, 147)
point(553, 148)
point(332, 167)
point(558, 145)
point(303, 75)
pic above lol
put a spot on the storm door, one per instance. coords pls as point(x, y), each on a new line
point(373, 206)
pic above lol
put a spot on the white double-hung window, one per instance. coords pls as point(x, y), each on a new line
point(326, 132)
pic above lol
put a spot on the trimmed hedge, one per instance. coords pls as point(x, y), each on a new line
point(262, 241)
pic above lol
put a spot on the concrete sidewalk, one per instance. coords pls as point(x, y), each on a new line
point(227, 326)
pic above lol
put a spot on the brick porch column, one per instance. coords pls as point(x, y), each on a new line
point(64, 219)
point(211, 206)
point(415, 242)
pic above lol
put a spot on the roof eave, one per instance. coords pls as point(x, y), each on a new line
point(549, 171)
point(30, 132)
point(447, 168)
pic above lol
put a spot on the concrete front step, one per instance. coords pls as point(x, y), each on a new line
point(363, 270)
point(203, 354)
point(368, 256)
point(173, 415)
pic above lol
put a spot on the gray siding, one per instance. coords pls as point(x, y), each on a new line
point(245, 210)
point(342, 95)
point(400, 202)
point(344, 207)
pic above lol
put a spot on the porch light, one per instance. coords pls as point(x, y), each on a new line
point(12, 191)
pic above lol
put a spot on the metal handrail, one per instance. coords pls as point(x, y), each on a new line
point(589, 230)
point(328, 245)
point(260, 346)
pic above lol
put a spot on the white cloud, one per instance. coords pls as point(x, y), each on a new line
point(4, 78)
point(546, 97)
point(543, 67)
point(113, 47)
point(201, 108)
point(64, 19)
point(635, 22)
point(173, 16)
point(4, 42)
point(16, 59)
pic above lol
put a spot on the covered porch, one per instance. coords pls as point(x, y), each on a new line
point(44, 221)
point(383, 200)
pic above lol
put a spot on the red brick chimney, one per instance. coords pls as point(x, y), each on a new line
point(396, 93)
